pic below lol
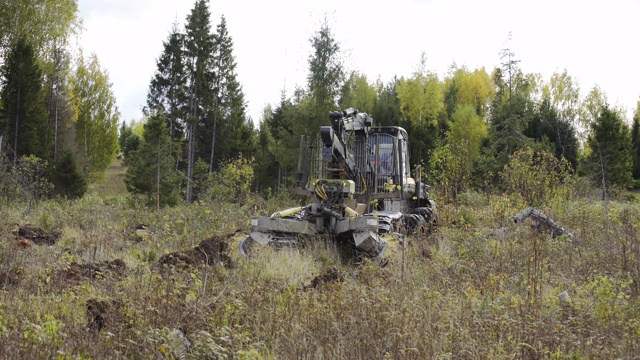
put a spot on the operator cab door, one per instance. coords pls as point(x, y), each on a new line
point(383, 161)
point(406, 181)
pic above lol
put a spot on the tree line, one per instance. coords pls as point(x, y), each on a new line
point(469, 129)
point(58, 117)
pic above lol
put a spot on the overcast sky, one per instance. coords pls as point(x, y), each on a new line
point(595, 41)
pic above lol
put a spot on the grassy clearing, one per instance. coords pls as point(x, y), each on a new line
point(481, 287)
point(111, 184)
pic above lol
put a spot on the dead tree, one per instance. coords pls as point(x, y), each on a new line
point(541, 223)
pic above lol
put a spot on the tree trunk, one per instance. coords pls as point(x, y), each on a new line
point(213, 141)
point(15, 140)
point(190, 162)
point(158, 178)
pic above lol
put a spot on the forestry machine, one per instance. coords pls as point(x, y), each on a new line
point(359, 191)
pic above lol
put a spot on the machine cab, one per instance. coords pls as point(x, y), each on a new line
point(389, 160)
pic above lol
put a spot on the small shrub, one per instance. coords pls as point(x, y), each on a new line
point(67, 178)
point(537, 176)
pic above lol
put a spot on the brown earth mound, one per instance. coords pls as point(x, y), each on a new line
point(77, 273)
point(36, 235)
point(102, 314)
point(329, 276)
point(211, 251)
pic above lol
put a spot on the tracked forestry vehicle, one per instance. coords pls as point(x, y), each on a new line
point(356, 179)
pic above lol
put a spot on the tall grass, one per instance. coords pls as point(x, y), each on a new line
point(488, 288)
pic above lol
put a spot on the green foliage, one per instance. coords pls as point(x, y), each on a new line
point(23, 116)
point(27, 181)
point(421, 102)
point(451, 165)
point(279, 144)
point(464, 87)
point(98, 116)
point(549, 125)
point(386, 110)
point(609, 161)
point(232, 184)
point(128, 140)
point(42, 22)
point(67, 178)
point(635, 143)
point(326, 74)
point(357, 93)
point(537, 176)
point(152, 171)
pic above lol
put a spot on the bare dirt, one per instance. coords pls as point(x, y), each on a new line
point(212, 251)
point(36, 235)
point(76, 273)
point(104, 314)
point(329, 276)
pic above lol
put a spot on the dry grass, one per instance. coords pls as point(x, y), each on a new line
point(486, 288)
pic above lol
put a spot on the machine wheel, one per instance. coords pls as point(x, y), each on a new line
point(430, 217)
point(245, 246)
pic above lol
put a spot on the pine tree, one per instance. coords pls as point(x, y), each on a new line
point(23, 121)
point(511, 111)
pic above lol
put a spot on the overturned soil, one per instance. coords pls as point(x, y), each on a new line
point(104, 314)
point(329, 276)
point(36, 235)
point(77, 273)
point(212, 251)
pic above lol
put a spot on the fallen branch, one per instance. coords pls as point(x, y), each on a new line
point(540, 221)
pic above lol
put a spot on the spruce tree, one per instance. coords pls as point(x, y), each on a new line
point(326, 74)
point(546, 125)
point(23, 120)
point(635, 143)
point(152, 172)
point(386, 110)
point(230, 132)
point(168, 88)
point(609, 161)
point(67, 177)
point(199, 49)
